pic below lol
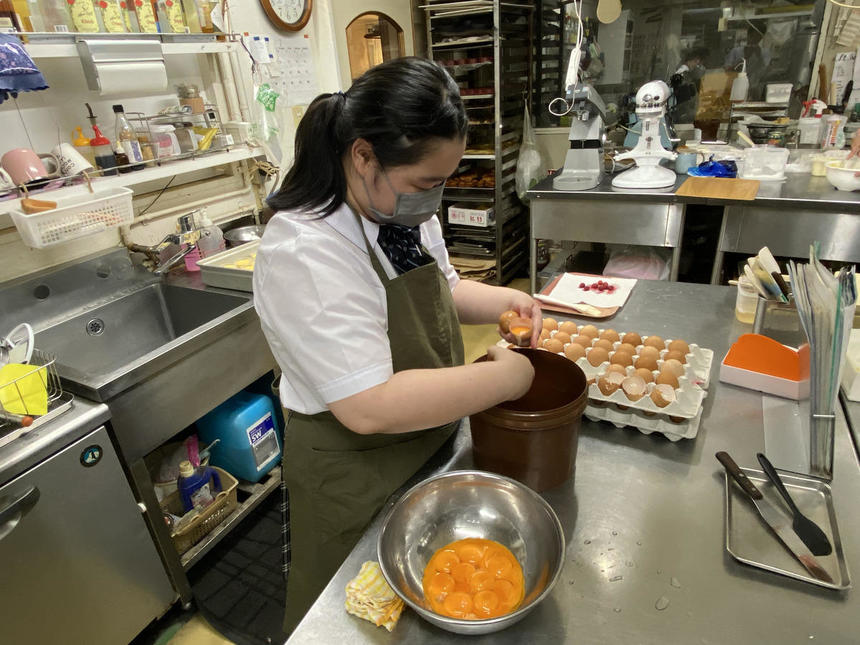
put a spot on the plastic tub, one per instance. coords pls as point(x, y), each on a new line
point(534, 438)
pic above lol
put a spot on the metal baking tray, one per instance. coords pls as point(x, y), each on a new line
point(215, 272)
point(750, 540)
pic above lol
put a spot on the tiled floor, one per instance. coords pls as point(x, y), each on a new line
point(197, 631)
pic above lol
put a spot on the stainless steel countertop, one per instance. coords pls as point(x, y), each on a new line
point(852, 415)
point(796, 192)
point(643, 510)
point(30, 448)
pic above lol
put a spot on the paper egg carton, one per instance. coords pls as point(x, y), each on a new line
point(673, 431)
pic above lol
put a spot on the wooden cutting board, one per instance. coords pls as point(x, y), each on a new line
point(719, 188)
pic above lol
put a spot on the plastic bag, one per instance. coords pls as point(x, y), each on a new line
point(531, 166)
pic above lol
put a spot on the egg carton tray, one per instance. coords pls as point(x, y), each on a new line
point(672, 430)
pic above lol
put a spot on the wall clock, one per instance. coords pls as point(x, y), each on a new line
point(291, 15)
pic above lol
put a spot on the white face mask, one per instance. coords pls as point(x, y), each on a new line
point(410, 209)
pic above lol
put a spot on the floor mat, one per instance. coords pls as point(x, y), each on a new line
point(239, 586)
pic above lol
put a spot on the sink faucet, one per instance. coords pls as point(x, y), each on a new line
point(188, 234)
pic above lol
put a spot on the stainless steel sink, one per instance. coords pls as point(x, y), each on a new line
point(110, 347)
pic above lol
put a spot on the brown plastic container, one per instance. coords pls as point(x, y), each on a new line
point(534, 438)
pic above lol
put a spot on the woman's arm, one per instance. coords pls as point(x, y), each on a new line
point(478, 303)
point(425, 398)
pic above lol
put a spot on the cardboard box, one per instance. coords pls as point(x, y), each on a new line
point(471, 214)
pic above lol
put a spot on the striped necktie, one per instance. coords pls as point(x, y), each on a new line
point(402, 246)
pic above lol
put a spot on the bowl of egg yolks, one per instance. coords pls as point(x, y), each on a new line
point(471, 552)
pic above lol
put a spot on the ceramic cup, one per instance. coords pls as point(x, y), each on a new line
point(686, 160)
point(24, 165)
point(71, 161)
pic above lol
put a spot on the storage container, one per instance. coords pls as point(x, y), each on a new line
point(534, 438)
point(250, 441)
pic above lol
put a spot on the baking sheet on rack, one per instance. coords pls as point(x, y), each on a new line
point(750, 540)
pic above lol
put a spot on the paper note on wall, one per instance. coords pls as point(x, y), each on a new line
point(299, 76)
point(843, 71)
point(258, 46)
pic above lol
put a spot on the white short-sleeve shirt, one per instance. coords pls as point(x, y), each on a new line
point(322, 307)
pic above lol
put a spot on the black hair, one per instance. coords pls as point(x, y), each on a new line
point(399, 107)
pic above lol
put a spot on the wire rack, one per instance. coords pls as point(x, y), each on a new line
point(31, 394)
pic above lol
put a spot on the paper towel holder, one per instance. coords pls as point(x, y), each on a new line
point(142, 58)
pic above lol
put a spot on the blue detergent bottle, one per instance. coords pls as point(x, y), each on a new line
point(250, 439)
point(198, 487)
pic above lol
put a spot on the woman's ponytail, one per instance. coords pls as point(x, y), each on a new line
point(316, 181)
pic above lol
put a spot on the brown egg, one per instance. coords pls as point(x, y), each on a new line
point(626, 347)
point(544, 334)
point(632, 337)
point(604, 343)
point(569, 327)
point(645, 374)
point(609, 382)
point(678, 345)
point(655, 341)
point(667, 378)
point(653, 352)
point(678, 356)
point(621, 358)
point(662, 395)
point(673, 366)
point(505, 320)
point(617, 368)
point(563, 336)
point(585, 341)
point(589, 330)
point(646, 362)
point(574, 352)
point(611, 335)
point(597, 355)
point(550, 323)
point(634, 387)
point(553, 345)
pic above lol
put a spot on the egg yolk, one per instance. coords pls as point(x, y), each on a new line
point(473, 579)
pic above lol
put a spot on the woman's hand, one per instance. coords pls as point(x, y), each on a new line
point(518, 370)
point(526, 307)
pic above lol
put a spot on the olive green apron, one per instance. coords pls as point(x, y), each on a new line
point(338, 480)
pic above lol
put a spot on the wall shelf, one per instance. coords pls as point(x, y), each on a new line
point(41, 46)
point(135, 178)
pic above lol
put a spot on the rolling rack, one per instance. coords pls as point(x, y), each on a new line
point(487, 47)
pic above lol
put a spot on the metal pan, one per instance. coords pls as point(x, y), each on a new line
point(749, 540)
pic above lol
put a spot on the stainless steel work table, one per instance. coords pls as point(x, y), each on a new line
point(785, 216)
point(643, 510)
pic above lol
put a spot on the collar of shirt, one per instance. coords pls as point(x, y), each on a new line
point(343, 221)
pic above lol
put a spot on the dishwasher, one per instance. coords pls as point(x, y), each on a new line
point(77, 563)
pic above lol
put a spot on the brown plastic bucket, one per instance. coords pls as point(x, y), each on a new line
point(534, 438)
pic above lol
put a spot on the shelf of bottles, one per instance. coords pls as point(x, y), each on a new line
point(41, 21)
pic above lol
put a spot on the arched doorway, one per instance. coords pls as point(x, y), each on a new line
point(372, 38)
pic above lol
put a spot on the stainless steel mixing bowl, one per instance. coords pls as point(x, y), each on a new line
point(470, 504)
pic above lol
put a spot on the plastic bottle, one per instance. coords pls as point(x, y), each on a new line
point(741, 85)
point(82, 145)
point(211, 242)
point(111, 16)
point(250, 443)
point(198, 487)
point(127, 139)
point(102, 152)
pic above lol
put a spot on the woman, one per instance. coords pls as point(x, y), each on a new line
point(361, 308)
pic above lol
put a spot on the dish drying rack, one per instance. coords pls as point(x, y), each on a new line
point(11, 423)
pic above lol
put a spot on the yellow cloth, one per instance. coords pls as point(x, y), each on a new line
point(23, 389)
point(368, 596)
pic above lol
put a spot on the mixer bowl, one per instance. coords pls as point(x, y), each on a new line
point(470, 504)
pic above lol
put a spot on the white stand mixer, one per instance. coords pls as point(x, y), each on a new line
point(648, 151)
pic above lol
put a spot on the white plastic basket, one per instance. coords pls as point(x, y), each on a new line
point(75, 216)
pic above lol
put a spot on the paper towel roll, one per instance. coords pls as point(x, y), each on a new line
point(143, 76)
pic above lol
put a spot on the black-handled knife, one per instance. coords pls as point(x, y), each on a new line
point(776, 520)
